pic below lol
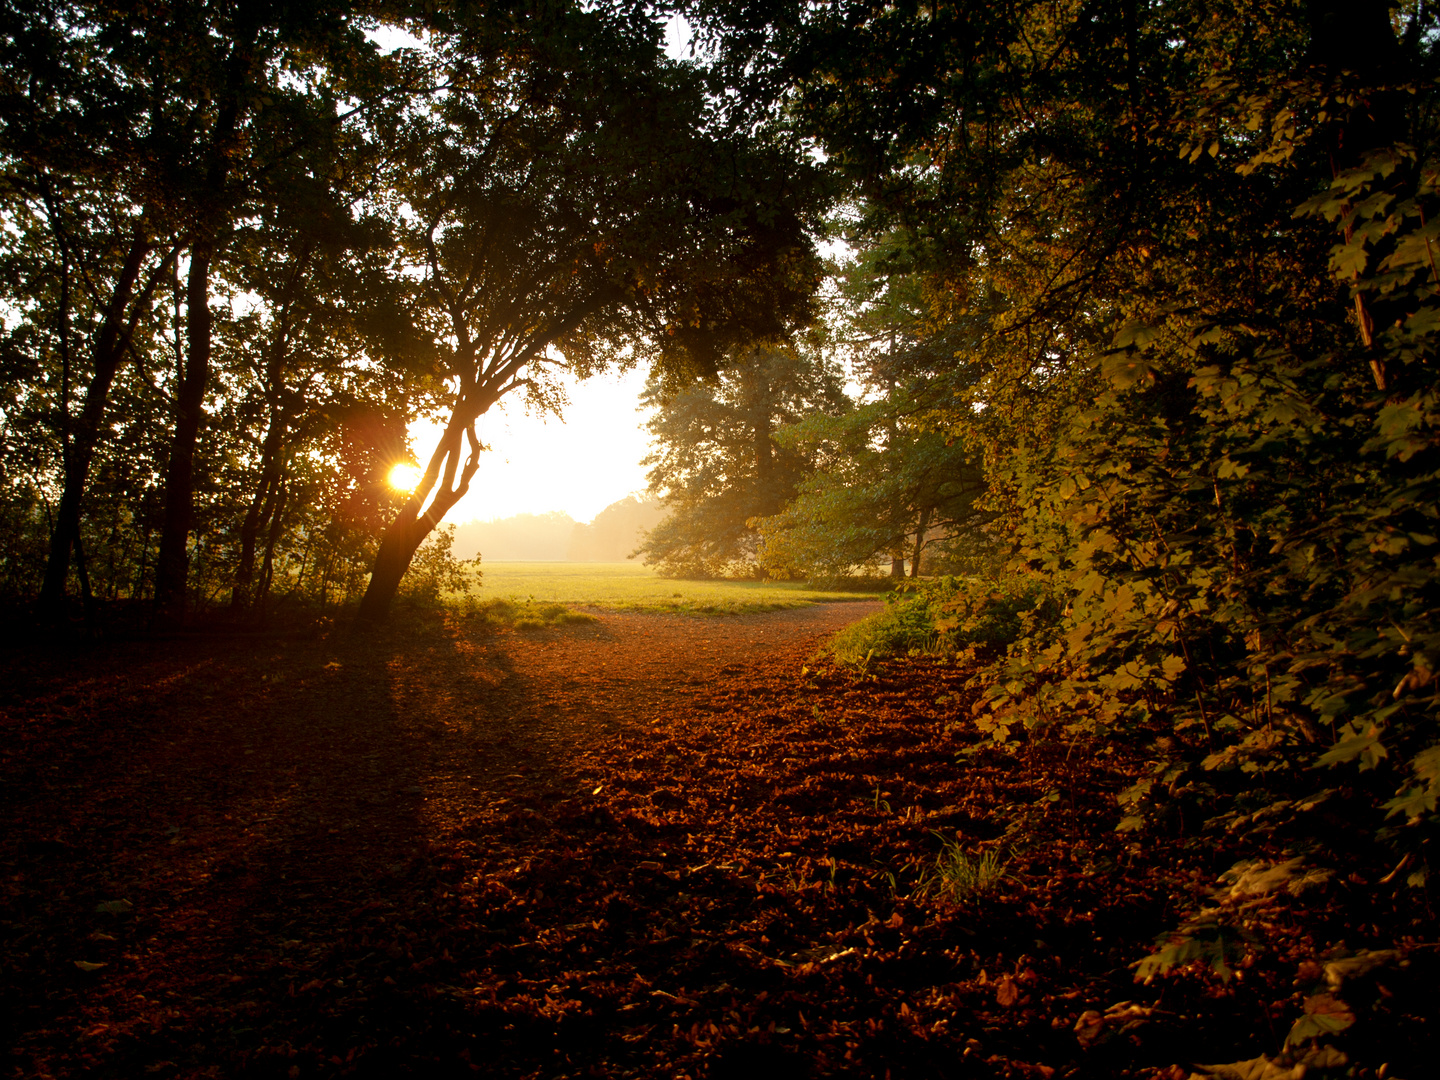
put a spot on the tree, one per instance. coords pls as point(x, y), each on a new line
point(146, 140)
point(891, 484)
point(569, 196)
point(889, 487)
point(719, 465)
point(1200, 243)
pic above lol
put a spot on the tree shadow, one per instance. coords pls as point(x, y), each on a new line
point(255, 803)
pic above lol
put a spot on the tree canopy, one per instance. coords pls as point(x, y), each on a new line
point(247, 247)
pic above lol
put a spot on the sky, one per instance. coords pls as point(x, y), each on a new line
point(539, 464)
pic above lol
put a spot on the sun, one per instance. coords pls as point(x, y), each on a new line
point(404, 476)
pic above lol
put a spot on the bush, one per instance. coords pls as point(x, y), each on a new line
point(948, 616)
point(435, 570)
point(530, 615)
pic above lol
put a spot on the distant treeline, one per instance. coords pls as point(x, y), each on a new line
point(557, 537)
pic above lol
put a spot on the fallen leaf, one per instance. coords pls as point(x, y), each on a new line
point(1007, 993)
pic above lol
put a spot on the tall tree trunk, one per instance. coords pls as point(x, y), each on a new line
point(240, 590)
point(397, 549)
point(267, 564)
point(138, 589)
point(107, 354)
point(172, 568)
point(260, 513)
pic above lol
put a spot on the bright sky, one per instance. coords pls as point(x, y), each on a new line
point(538, 464)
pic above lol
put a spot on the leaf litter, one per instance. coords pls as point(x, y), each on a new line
point(648, 846)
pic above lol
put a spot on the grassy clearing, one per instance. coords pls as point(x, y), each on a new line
point(632, 587)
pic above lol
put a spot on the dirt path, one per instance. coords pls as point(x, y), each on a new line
point(646, 847)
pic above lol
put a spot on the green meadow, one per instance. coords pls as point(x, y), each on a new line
point(627, 586)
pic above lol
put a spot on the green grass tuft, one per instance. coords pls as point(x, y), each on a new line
point(957, 876)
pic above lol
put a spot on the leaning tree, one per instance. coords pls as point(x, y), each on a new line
point(572, 197)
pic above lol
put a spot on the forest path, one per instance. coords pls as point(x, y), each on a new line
point(234, 790)
point(311, 759)
point(651, 846)
point(533, 715)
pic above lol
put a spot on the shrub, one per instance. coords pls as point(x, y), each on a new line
point(948, 616)
point(435, 570)
point(522, 616)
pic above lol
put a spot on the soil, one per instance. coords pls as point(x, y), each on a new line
point(648, 846)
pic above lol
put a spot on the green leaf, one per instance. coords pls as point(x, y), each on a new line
point(1325, 1014)
point(1348, 260)
point(1124, 370)
point(1347, 750)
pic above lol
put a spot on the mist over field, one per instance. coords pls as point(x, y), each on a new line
point(557, 537)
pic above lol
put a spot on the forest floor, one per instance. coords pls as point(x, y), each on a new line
point(649, 846)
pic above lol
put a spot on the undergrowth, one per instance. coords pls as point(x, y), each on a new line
point(946, 617)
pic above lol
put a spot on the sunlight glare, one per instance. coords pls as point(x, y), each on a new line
point(404, 477)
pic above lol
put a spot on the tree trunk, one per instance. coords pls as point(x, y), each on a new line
point(107, 354)
point(449, 480)
point(897, 567)
point(258, 516)
point(172, 568)
point(267, 564)
point(240, 589)
point(138, 589)
point(398, 547)
point(919, 542)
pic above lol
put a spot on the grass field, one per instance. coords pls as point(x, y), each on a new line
point(633, 587)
